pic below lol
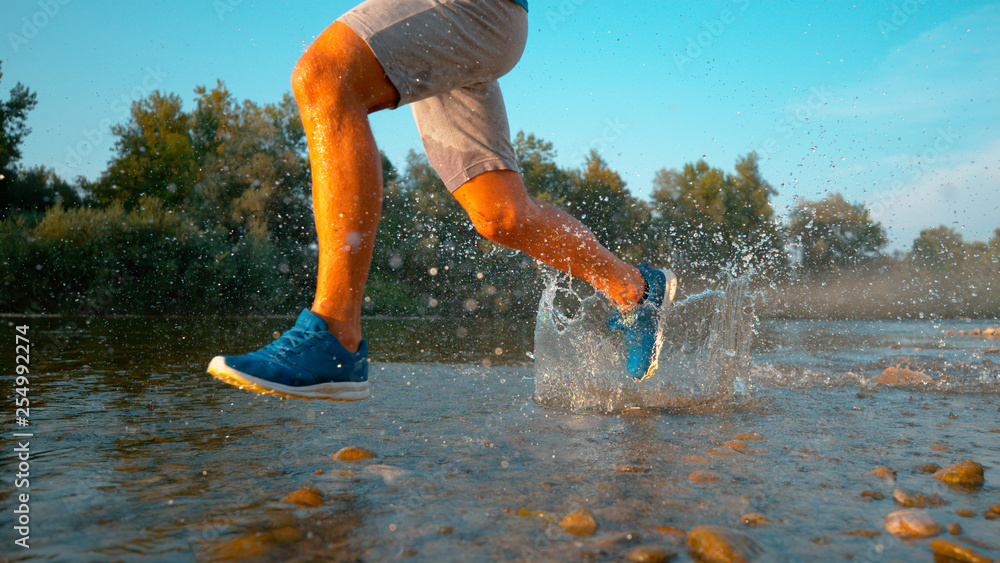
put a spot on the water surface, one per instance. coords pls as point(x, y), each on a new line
point(140, 455)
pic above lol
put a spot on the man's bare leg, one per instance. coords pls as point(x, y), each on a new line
point(503, 212)
point(337, 83)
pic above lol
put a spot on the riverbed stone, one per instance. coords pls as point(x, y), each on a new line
point(907, 497)
point(580, 522)
point(703, 476)
point(884, 471)
point(874, 495)
point(928, 468)
point(954, 528)
point(306, 497)
point(898, 375)
point(650, 554)
point(994, 508)
point(352, 453)
point(911, 524)
point(716, 544)
point(965, 473)
point(754, 519)
point(955, 552)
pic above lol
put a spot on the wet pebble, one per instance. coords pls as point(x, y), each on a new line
point(990, 515)
point(721, 545)
point(749, 437)
point(964, 513)
point(907, 497)
point(580, 522)
point(630, 469)
point(874, 495)
point(754, 519)
point(739, 446)
point(703, 476)
point(954, 528)
point(650, 554)
point(884, 471)
point(966, 473)
point(955, 552)
point(352, 453)
point(863, 533)
point(909, 524)
point(307, 497)
point(928, 468)
point(901, 376)
point(994, 508)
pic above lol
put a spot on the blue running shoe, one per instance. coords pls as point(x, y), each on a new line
point(640, 324)
point(306, 362)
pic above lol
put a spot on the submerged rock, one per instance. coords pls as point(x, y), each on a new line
point(721, 545)
point(964, 473)
point(884, 471)
point(909, 498)
point(874, 495)
point(908, 524)
point(703, 476)
point(928, 468)
point(307, 497)
point(754, 519)
point(901, 376)
point(352, 453)
point(954, 552)
point(580, 522)
point(650, 554)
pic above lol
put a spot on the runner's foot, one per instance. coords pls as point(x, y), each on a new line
point(306, 362)
point(640, 324)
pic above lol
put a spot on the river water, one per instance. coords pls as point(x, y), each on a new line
point(484, 442)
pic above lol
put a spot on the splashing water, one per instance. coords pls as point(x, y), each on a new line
point(703, 357)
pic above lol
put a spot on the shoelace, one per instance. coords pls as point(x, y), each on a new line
point(288, 342)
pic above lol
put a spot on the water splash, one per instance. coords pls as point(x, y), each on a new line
point(704, 356)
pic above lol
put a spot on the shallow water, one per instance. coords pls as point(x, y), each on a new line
point(137, 454)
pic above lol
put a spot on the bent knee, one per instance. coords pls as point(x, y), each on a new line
point(327, 64)
point(500, 225)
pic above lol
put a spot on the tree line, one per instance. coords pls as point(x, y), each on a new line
point(208, 210)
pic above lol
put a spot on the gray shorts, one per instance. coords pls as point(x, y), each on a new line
point(444, 58)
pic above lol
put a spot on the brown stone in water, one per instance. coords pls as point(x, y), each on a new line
point(873, 495)
point(751, 437)
point(650, 554)
point(739, 446)
point(910, 498)
point(702, 476)
point(954, 552)
point(718, 544)
point(928, 468)
point(754, 519)
point(990, 515)
point(901, 376)
point(965, 513)
point(697, 458)
point(630, 469)
point(884, 471)
point(862, 533)
point(352, 453)
point(671, 530)
point(307, 497)
point(940, 447)
point(909, 524)
point(966, 473)
point(994, 508)
point(954, 528)
point(580, 522)
point(992, 351)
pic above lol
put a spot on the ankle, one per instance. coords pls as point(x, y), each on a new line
point(348, 336)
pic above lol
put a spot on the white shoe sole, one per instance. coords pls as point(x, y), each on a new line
point(346, 391)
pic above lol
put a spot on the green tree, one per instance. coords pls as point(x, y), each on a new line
point(713, 221)
point(834, 234)
point(154, 155)
point(939, 249)
point(13, 129)
point(38, 188)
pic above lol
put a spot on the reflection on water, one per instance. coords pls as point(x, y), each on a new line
point(140, 455)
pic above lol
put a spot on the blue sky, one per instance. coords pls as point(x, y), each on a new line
point(892, 103)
